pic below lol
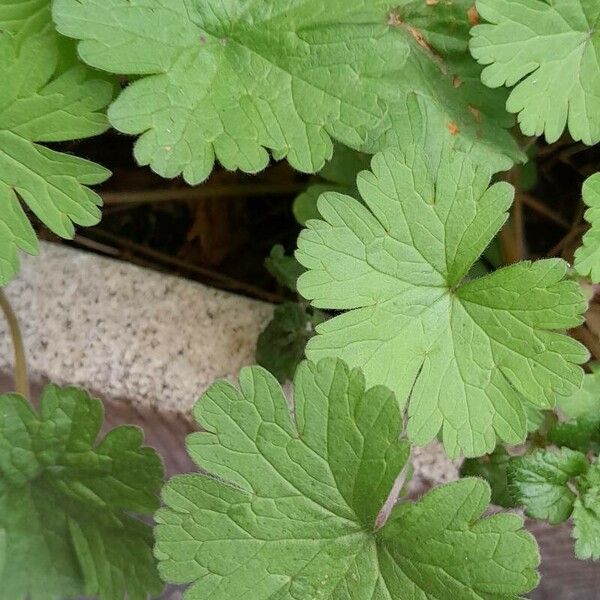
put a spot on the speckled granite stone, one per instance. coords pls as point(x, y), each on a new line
point(136, 336)
point(128, 332)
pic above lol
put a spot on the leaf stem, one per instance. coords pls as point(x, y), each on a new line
point(21, 377)
point(386, 510)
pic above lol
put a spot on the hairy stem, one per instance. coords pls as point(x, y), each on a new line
point(21, 378)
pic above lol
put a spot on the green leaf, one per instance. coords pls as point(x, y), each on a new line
point(344, 166)
point(280, 347)
point(585, 401)
point(581, 434)
point(534, 415)
point(540, 482)
point(32, 17)
point(550, 53)
point(25, 19)
point(466, 355)
point(338, 175)
point(289, 506)
point(586, 529)
point(586, 516)
point(66, 502)
point(587, 257)
point(493, 468)
point(581, 430)
point(305, 204)
point(38, 104)
point(286, 269)
point(527, 173)
point(230, 81)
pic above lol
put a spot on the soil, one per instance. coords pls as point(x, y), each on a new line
point(220, 232)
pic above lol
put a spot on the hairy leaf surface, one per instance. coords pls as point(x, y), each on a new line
point(559, 484)
point(493, 468)
point(466, 354)
point(66, 502)
point(586, 515)
point(581, 434)
point(280, 346)
point(549, 53)
point(289, 506)
point(539, 482)
point(230, 81)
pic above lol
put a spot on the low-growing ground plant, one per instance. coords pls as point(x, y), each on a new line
point(407, 321)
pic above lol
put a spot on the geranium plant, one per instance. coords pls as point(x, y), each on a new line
point(400, 328)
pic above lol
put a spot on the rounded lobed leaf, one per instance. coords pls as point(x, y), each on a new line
point(467, 355)
point(67, 502)
point(549, 53)
point(230, 82)
point(46, 97)
point(289, 504)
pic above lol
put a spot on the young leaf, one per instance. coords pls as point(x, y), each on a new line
point(587, 257)
point(540, 482)
point(65, 503)
point(280, 347)
point(581, 434)
point(305, 203)
point(493, 468)
point(289, 508)
point(586, 527)
point(338, 175)
point(230, 81)
point(344, 166)
point(39, 105)
point(286, 269)
point(550, 53)
point(465, 354)
point(586, 516)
